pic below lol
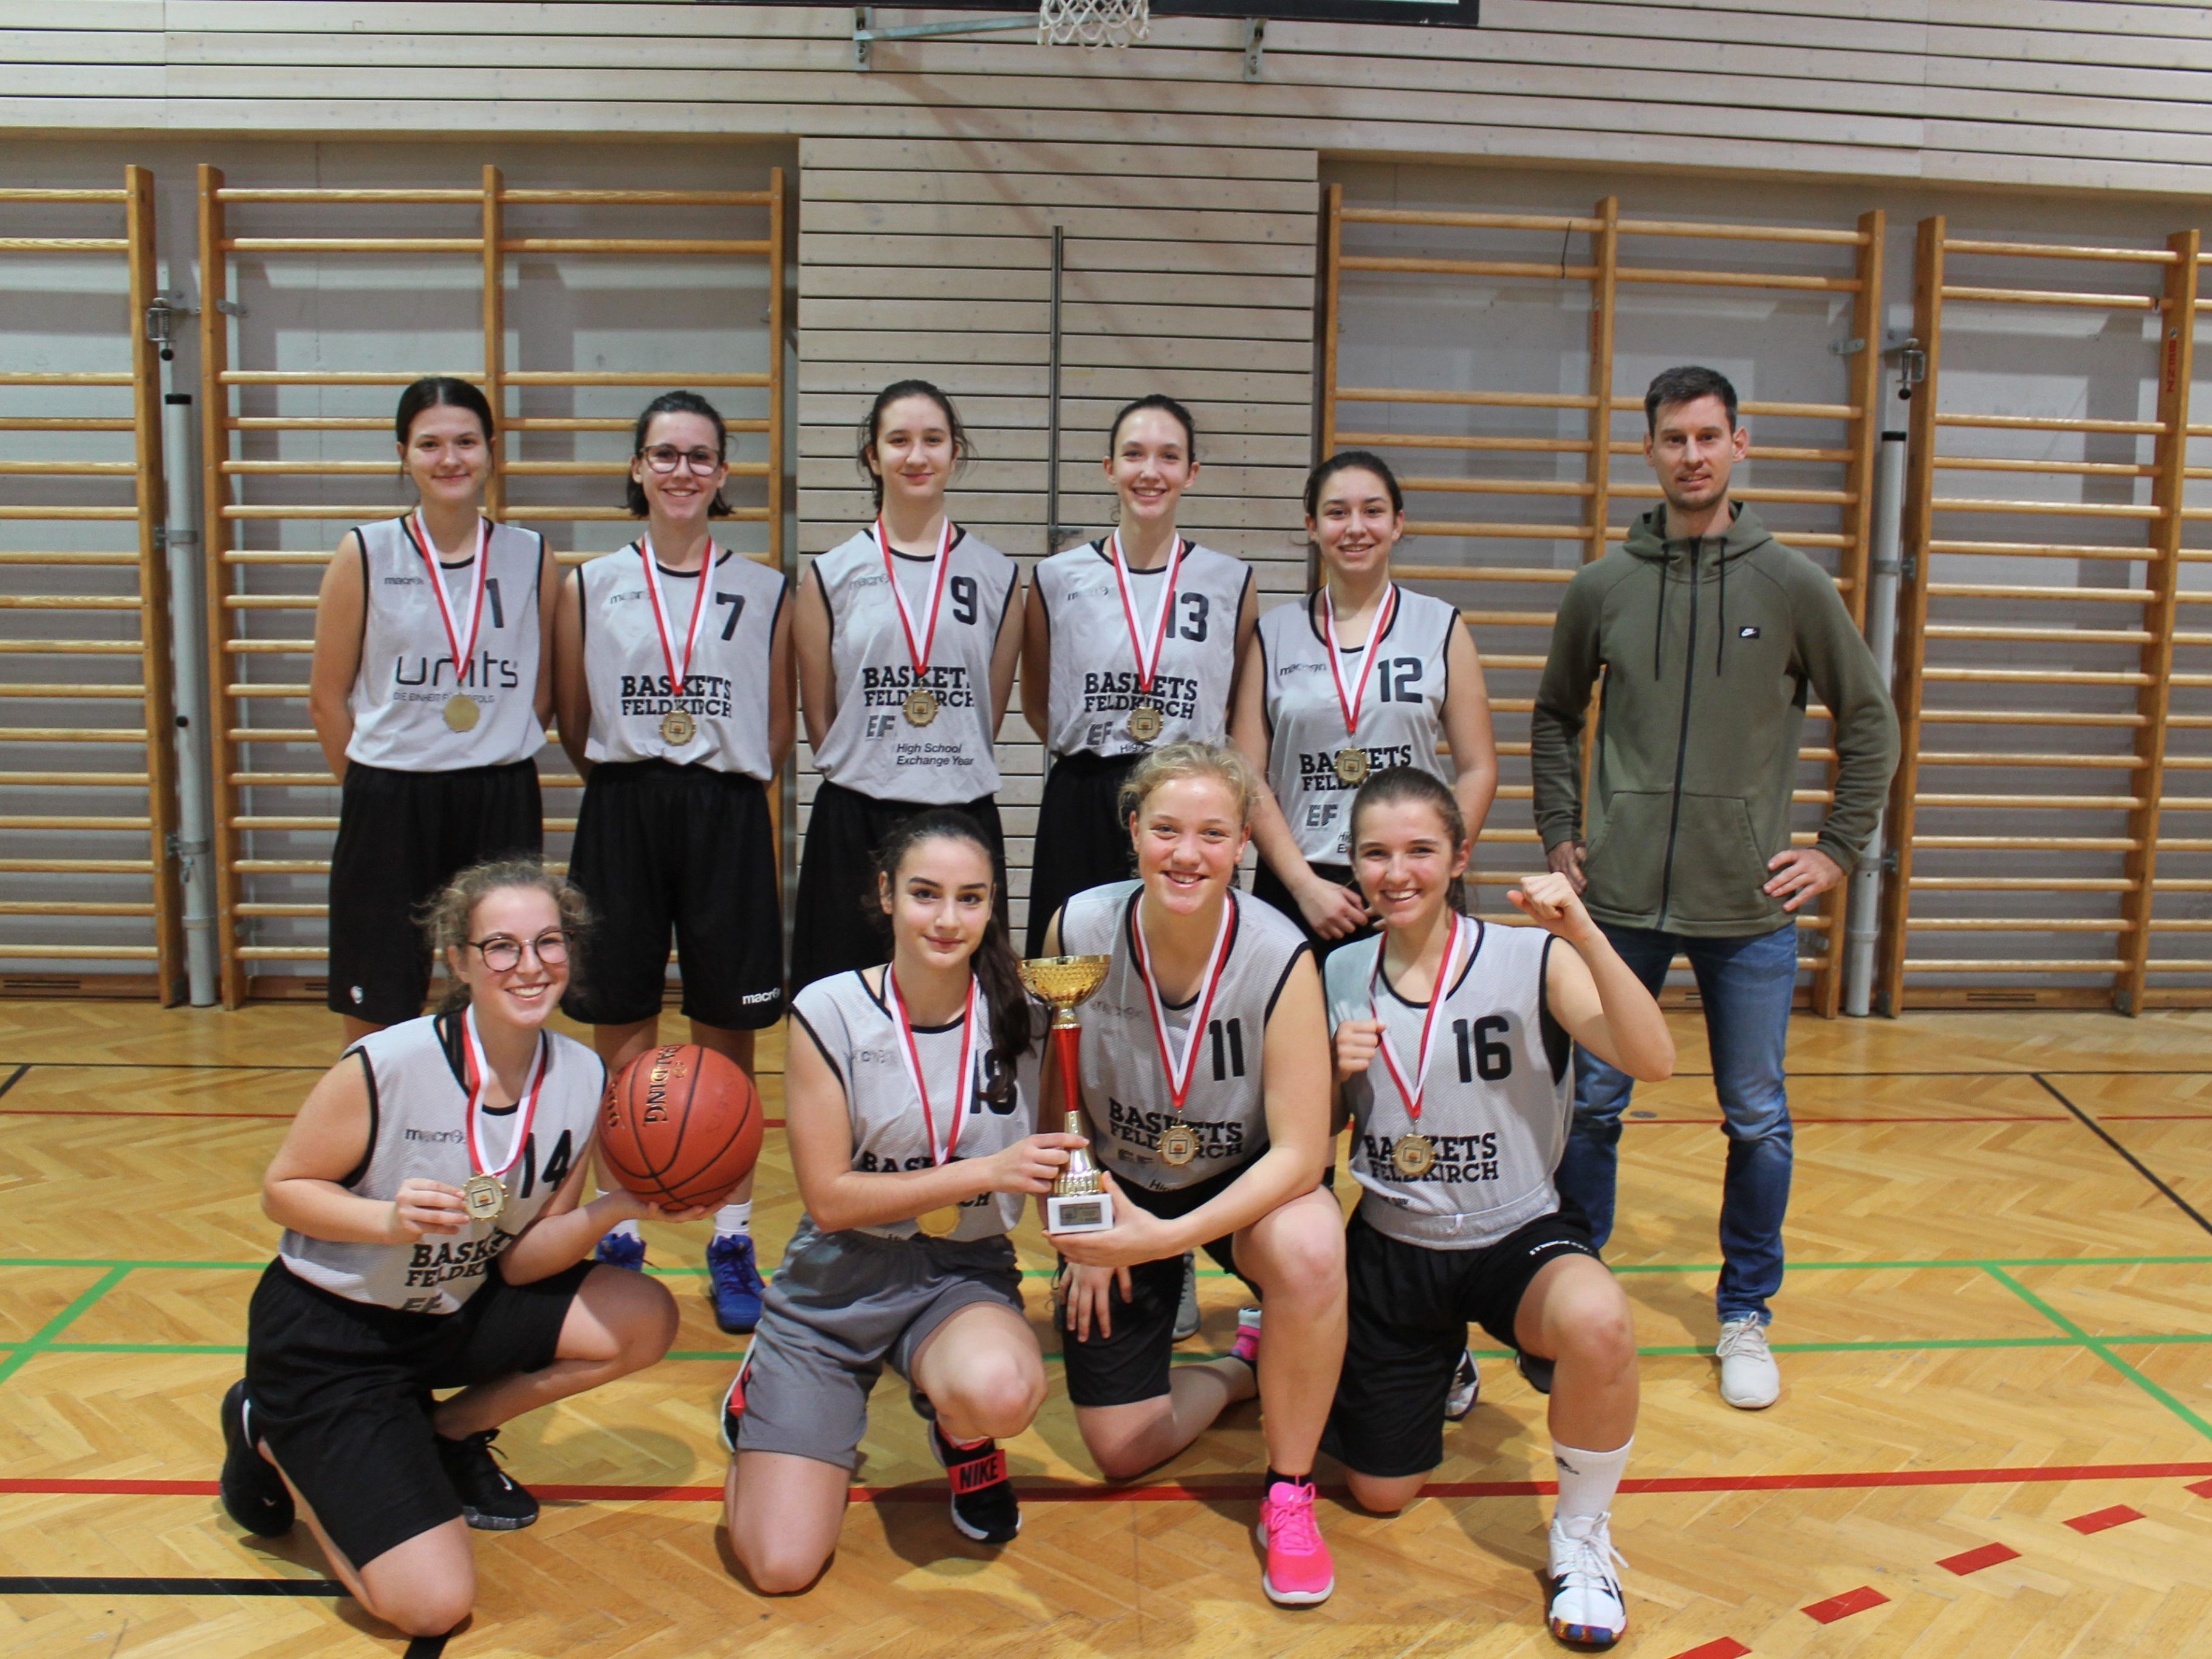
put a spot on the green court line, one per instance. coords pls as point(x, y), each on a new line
point(61, 1322)
point(2098, 1345)
point(145, 1347)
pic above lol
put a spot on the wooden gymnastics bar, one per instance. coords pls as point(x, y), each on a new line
point(2135, 617)
point(68, 754)
point(245, 724)
point(1526, 622)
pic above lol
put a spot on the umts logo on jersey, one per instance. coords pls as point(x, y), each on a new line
point(425, 675)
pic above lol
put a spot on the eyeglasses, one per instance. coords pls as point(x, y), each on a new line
point(665, 457)
point(501, 953)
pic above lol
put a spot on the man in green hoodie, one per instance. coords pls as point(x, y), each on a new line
point(1708, 636)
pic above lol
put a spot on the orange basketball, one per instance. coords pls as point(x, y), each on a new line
point(681, 1126)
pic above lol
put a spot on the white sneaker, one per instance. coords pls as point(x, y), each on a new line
point(1466, 1389)
point(1750, 1380)
point(1186, 1325)
point(1586, 1606)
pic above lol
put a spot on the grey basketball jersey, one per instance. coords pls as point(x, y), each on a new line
point(858, 1035)
point(1124, 1082)
point(419, 1131)
point(1499, 1099)
point(1094, 665)
point(727, 689)
point(407, 674)
point(1401, 715)
point(871, 747)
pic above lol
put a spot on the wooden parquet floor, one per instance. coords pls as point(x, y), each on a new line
point(1998, 1329)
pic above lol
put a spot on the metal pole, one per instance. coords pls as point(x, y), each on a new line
point(188, 656)
point(1863, 929)
point(1052, 407)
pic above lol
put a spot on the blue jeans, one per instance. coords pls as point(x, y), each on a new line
point(1746, 984)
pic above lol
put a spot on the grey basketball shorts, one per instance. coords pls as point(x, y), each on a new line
point(841, 1307)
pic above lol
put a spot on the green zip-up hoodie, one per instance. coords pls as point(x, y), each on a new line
point(1708, 648)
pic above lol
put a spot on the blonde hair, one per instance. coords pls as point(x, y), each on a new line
point(1221, 762)
point(445, 918)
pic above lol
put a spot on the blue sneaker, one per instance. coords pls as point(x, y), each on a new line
point(621, 1250)
point(734, 1281)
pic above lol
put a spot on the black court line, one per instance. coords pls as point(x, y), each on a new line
point(14, 1078)
point(2141, 1168)
point(45, 1586)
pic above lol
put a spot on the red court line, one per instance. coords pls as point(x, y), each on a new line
point(1726, 1647)
point(2102, 1519)
point(1844, 1605)
point(1988, 1555)
point(1208, 1488)
point(2203, 1489)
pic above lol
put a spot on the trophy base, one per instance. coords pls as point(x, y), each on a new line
point(1080, 1213)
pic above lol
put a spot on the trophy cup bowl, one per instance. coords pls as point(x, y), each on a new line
point(1079, 1201)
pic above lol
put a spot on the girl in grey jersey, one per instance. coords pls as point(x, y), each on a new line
point(907, 635)
point(1359, 675)
point(673, 673)
point(429, 1192)
point(1204, 1078)
point(429, 692)
point(910, 1102)
point(1454, 1044)
point(1129, 642)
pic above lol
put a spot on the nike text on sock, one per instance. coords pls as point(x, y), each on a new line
point(733, 1219)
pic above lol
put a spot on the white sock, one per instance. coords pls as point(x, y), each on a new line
point(1588, 1481)
point(621, 1229)
point(733, 1219)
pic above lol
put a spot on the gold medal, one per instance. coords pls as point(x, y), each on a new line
point(678, 728)
point(1351, 767)
point(1179, 1145)
point(1146, 722)
point(920, 706)
point(939, 1223)
point(483, 1197)
point(462, 713)
point(1414, 1155)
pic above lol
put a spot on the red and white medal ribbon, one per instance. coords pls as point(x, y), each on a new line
point(910, 1056)
point(464, 650)
point(1349, 700)
point(1411, 1092)
point(918, 644)
point(677, 674)
point(1148, 661)
point(479, 1081)
point(1180, 1071)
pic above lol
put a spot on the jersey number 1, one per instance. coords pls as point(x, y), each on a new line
point(1478, 1056)
point(1228, 1036)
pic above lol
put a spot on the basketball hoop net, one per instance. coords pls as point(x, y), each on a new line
point(1092, 23)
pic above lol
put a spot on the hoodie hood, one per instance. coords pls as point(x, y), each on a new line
point(1683, 559)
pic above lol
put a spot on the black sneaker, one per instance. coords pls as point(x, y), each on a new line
point(489, 1501)
point(253, 1494)
point(983, 1505)
point(1536, 1373)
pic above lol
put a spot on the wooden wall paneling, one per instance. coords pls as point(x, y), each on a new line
point(259, 751)
point(1986, 634)
point(72, 750)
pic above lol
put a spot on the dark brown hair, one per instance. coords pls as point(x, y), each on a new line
point(1351, 460)
point(874, 419)
point(1167, 405)
point(676, 403)
point(1395, 784)
point(995, 968)
point(436, 391)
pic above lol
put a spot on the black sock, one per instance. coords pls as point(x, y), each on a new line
point(1275, 1475)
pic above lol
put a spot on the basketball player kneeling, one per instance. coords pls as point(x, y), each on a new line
point(1455, 1055)
point(1204, 1063)
point(427, 1190)
point(910, 1107)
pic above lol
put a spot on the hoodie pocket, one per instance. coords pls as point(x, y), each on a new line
point(1719, 868)
point(1627, 858)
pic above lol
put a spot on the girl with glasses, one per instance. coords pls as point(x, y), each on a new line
point(673, 678)
point(1130, 641)
point(1359, 675)
point(428, 1191)
point(907, 636)
point(429, 693)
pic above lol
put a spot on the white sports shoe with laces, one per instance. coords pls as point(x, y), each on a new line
point(1750, 1380)
point(1586, 1606)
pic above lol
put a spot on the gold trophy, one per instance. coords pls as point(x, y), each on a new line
point(1079, 1202)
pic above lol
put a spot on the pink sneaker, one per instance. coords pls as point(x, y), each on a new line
point(1245, 1347)
point(1299, 1572)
